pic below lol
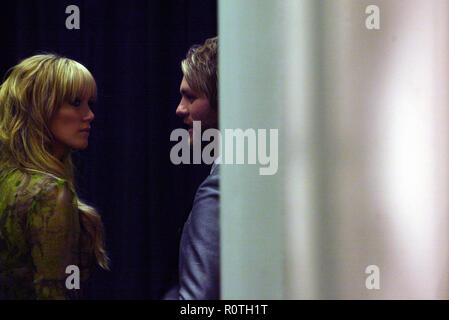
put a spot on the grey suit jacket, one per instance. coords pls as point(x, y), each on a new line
point(199, 254)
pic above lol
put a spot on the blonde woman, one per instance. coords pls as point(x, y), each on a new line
point(45, 112)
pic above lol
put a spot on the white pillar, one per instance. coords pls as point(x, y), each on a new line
point(371, 154)
point(252, 227)
point(301, 159)
point(364, 148)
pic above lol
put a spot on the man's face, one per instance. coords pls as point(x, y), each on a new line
point(194, 106)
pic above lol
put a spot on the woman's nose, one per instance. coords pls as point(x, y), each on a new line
point(90, 116)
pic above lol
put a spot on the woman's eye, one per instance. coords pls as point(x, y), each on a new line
point(191, 98)
point(91, 103)
point(76, 102)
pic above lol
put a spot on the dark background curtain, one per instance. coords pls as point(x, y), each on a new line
point(134, 50)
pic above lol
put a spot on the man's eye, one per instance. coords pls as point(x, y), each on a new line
point(76, 102)
point(191, 98)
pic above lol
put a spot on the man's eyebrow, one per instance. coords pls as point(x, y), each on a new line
point(184, 91)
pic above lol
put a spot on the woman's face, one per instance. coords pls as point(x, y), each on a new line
point(70, 126)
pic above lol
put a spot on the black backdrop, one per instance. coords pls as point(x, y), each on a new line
point(133, 49)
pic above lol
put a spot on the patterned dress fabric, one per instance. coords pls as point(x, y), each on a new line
point(40, 236)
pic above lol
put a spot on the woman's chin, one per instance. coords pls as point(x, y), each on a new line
point(80, 146)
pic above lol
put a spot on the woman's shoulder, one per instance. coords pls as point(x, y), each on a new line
point(32, 183)
point(26, 194)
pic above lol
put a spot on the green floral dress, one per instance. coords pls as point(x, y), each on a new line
point(40, 235)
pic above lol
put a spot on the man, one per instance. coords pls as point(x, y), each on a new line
point(199, 276)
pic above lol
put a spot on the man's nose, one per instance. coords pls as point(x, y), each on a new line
point(182, 111)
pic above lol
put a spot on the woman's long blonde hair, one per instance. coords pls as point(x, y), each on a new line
point(31, 94)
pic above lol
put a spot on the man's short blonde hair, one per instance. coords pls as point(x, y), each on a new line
point(200, 68)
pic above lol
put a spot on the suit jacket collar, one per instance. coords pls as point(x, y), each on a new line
point(214, 167)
